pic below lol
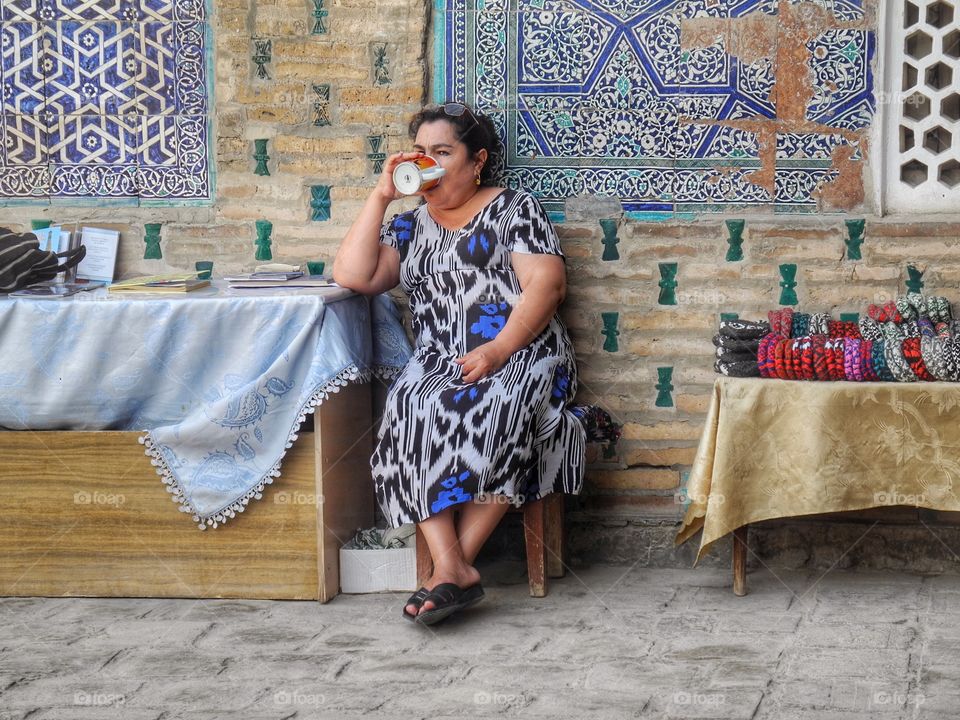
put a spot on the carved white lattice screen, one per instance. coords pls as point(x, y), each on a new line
point(922, 128)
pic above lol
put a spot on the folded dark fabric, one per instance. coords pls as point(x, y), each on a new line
point(735, 355)
point(598, 423)
point(729, 343)
point(737, 369)
point(744, 329)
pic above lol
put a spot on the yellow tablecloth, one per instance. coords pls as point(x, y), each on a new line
point(783, 448)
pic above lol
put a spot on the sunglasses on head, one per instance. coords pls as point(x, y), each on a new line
point(456, 109)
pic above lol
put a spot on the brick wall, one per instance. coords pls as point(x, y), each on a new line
point(639, 482)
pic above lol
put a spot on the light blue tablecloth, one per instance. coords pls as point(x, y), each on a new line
point(220, 380)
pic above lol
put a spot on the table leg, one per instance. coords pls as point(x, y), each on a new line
point(740, 560)
point(345, 496)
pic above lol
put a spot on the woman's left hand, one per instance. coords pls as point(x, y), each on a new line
point(482, 361)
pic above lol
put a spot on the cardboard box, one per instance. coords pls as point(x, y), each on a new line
point(371, 571)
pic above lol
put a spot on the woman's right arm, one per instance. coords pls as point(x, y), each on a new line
point(362, 263)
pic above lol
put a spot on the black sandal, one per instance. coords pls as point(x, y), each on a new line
point(448, 598)
point(416, 599)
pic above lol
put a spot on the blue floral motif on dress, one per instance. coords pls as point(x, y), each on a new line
point(490, 324)
point(454, 493)
point(561, 381)
point(474, 239)
point(471, 393)
point(402, 227)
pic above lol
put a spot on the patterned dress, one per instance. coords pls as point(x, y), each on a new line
point(443, 441)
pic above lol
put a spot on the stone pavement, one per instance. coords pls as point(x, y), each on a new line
point(608, 642)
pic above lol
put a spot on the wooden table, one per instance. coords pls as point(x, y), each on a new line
point(774, 449)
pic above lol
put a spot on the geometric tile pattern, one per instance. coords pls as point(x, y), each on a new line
point(105, 99)
point(601, 97)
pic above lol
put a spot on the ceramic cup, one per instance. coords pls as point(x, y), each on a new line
point(316, 268)
point(415, 176)
point(204, 269)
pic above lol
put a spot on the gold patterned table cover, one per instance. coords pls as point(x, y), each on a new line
point(781, 448)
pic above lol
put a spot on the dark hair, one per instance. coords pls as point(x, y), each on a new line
point(473, 129)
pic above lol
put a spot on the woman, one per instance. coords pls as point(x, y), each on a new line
point(478, 418)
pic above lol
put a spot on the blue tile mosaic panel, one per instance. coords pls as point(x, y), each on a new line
point(602, 97)
point(105, 99)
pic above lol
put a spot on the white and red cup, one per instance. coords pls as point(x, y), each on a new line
point(413, 176)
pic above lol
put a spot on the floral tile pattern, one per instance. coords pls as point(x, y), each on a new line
point(603, 97)
point(105, 99)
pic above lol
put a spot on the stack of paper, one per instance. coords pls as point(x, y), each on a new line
point(184, 282)
point(285, 280)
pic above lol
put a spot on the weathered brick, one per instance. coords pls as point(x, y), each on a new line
point(656, 456)
point(666, 345)
point(662, 431)
point(692, 403)
point(634, 479)
point(921, 230)
point(658, 505)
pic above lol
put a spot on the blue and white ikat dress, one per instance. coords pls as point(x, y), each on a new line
point(443, 441)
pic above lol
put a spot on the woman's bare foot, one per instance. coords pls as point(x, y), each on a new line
point(465, 576)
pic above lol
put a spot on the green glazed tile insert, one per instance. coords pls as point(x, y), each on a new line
point(914, 279)
point(854, 238)
point(264, 228)
point(320, 202)
point(735, 240)
point(319, 18)
point(668, 284)
point(260, 155)
point(321, 104)
point(377, 155)
point(152, 239)
point(610, 320)
point(262, 54)
point(381, 64)
point(664, 387)
point(788, 283)
point(610, 240)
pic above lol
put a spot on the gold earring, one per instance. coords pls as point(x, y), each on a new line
point(477, 181)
